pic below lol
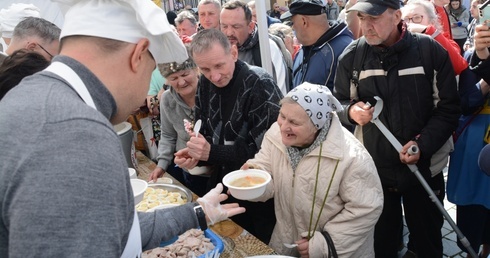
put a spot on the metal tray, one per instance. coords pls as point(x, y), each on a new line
point(174, 188)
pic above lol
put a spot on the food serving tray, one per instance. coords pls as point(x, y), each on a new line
point(174, 188)
point(208, 233)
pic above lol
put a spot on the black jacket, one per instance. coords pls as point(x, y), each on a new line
point(415, 103)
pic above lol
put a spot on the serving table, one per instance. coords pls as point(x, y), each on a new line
point(237, 241)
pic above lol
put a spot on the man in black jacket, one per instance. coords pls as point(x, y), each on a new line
point(421, 107)
point(237, 104)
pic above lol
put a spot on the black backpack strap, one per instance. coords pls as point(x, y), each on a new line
point(359, 57)
point(424, 51)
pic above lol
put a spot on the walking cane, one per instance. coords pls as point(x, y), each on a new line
point(414, 149)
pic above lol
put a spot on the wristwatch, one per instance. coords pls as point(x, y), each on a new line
point(201, 217)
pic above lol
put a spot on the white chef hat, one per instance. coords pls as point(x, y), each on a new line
point(124, 20)
point(316, 100)
point(15, 13)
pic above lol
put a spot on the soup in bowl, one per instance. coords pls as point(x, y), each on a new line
point(247, 184)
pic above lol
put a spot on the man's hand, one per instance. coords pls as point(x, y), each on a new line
point(407, 158)
point(482, 41)
point(361, 112)
point(199, 148)
point(184, 160)
point(211, 204)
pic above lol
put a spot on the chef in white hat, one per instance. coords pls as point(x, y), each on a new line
point(10, 17)
point(65, 187)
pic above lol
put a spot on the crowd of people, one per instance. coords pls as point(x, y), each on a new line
point(339, 185)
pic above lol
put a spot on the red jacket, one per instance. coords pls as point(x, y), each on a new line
point(444, 20)
point(458, 62)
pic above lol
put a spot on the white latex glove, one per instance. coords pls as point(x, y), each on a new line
point(211, 204)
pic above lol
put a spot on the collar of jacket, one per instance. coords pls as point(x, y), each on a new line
point(333, 146)
point(336, 28)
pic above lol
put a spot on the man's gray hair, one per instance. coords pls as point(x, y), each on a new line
point(33, 26)
point(215, 2)
point(206, 39)
point(185, 15)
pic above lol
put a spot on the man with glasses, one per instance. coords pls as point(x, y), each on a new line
point(36, 34)
point(421, 107)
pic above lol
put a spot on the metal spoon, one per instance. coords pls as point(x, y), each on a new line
point(197, 127)
point(290, 245)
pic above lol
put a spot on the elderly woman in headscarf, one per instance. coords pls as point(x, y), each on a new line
point(176, 105)
point(326, 190)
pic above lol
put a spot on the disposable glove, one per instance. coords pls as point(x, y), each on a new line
point(214, 210)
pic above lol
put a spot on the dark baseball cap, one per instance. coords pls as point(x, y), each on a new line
point(374, 7)
point(304, 7)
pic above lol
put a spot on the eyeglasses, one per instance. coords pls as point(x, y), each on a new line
point(415, 19)
point(49, 54)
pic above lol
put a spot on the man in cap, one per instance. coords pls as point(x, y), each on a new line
point(36, 34)
point(237, 103)
point(237, 25)
point(323, 41)
point(10, 17)
point(64, 182)
point(413, 76)
point(209, 11)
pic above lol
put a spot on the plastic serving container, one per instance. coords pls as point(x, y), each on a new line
point(215, 239)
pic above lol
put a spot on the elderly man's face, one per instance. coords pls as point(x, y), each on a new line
point(235, 26)
point(217, 65)
point(381, 29)
point(186, 28)
point(209, 16)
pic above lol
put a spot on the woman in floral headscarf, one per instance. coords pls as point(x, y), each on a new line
point(323, 179)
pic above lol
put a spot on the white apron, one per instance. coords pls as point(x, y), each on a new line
point(133, 246)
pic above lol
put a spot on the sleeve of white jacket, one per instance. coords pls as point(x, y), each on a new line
point(262, 161)
point(352, 230)
point(279, 66)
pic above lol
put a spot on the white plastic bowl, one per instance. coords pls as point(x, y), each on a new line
point(132, 173)
point(246, 193)
point(139, 187)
